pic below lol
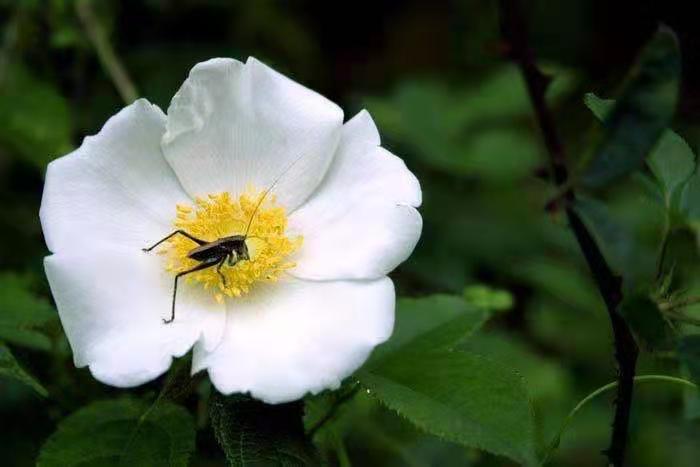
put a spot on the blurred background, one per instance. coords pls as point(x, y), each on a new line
point(433, 76)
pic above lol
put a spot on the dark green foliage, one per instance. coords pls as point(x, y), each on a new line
point(122, 432)
point(430, 389)
point(458, 396)
point(466, 131)
point(10, 368)
point(36, 119)
point(689, 351)
point(671, 161)
point(22, 314)
point(640, 115)
point(431, 323)
point(645, 319)
point(690, 200)
point(617, 243)
point(252, 433)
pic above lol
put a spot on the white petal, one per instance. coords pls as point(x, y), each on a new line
point(361, 223)
point(116, 188)
point(296, 336)
point(231, 125)
point(112, 302)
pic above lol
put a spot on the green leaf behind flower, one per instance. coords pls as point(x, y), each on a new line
point(22, 314)
point(460, 397)
point(252, 433)
point(122, 432)
point(430, 323)
point(457, 396)
point(10, 368)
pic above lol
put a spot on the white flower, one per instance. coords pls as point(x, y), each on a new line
point(312, 301)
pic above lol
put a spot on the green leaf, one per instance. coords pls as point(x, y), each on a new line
point(547, 381)
point(252, 433)
point(9, 367)
point(434, 322)
point(22, 314)
point(645, 319)
point(690, 201)
point(445, 392)
point(611, 237)
point(460, 397)
point(36, 120)
point(689, 353)
point(601, 108)
point(672, 161)
point(122, 432)
point(641, 114)
point(618, 244)
point(486, 298)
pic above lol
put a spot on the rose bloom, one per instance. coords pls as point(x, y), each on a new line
point(328, 214)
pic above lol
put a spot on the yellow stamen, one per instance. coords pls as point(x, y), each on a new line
point(218, 216)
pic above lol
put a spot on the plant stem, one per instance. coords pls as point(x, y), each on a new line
point(603, 389)
point(106, 54)
point(333, 410)
point(514, 30)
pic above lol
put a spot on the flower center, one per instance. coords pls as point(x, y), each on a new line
point(218, 216)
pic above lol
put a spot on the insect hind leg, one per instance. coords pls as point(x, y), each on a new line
point(180, 232)
point(199, 267)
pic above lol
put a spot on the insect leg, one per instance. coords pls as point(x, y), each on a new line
point(218, 269)
point(199, 267)
point(232, 258)
point(181, 232)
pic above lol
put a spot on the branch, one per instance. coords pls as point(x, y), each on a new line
point(108, 57)
point(514, 30)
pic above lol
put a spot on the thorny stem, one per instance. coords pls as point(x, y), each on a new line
point(515, 34)
point(638, 379)
point(106, 54)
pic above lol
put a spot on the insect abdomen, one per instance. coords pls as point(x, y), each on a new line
point(208, 251)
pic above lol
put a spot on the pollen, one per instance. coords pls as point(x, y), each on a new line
point(220, 215)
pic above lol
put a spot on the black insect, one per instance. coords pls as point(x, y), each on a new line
point(227, 250)
point(223, 251)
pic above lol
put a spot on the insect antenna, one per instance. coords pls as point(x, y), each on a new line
point(267, 192)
